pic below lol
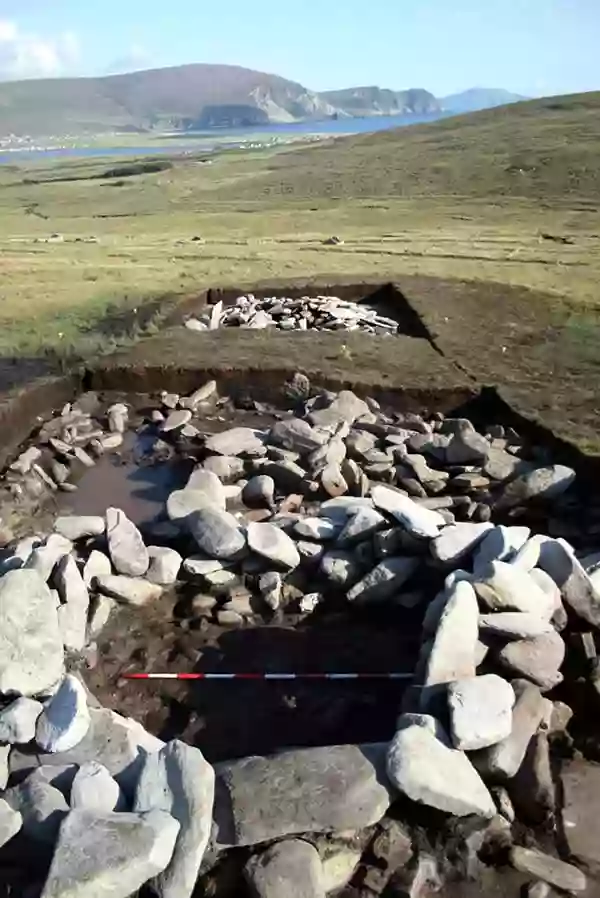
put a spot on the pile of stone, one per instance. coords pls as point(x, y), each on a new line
point(325, 313)
point(368, 506)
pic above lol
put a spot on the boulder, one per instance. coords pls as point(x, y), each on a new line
point(532, 789)
point(237, 441)
point(291, 868)
point(499, 544)
point(41, 807)
point(228, 468)
point(73, 613)
point(74, 527)
point(297, 435)
point(503, 587)
point(270, 586)
point(362, 525)
point(466, 447)
point(31, 649)
point(97, 565)
point(217, 533)
point(325, 789)
point(10, 822)
point(44, 558)
point(545, 483)
point(94, 789)
point(179, 781)
point(500, 464)
point(453, 653)
point(480, 711)
point(259, 490)
point(99, 854)
point(340, 567)
point(345, 408)
point(126, 547)
point(182, 504)
point(419, 521)
point(422, 765)
point(457, 541)
point(65, 718)
point(165, 565)
point(272, 543)
point(320, 529)
point(538, 659)
point(576, 586)
point(18, 720)
point(384, 580)
point(176, 420)
point(549, 869)
point(129, 590)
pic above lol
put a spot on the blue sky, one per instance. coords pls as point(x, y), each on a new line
point(532, 47)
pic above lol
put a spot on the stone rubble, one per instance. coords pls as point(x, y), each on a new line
point(336, 505)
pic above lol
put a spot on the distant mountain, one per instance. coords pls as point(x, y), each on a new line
point(366, 101)
point(479, 98)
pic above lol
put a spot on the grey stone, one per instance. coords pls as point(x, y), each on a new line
point(422, 765)
point(576, 587)
point(503, 587)
point(237, 441)
point(528, 555)
point(297, 435)
point(126, 547)
point(42, 808)
point(217, 533)
point(259, 490)
point(4, 771)
point(384, 580)
point(101, 855)
point(332, 481)
point(436, 607)
point(65, 718)
point(97, 565)
point(513, 625)
point(73, 613)
point(325, 789)
point(310, 553)
point(182, 504)
point(227, 617)
point(202, 394)
point(452, 656)
point(500, 464)
point(480, 711)
point(228, 468)
point(346, 407)
point(417, 520)
point(272, 543)
point(358, 443)
point(537, 659)
point(179, 781)
point(532, 789)
point(332, 453)
point(457, 541)
point(76, 527)
point(502, 761)
point(31, 649)
point(340, 567)
point(338, 867)
point(10, 822)
point(17, 721)
point(320, 529)
point(94, 789)
point(545, 483)
point(199, 565)
point(129, 590)
point(287, 475)
point(176, 420)
point(270, 585)
point(466, 446)
point(362, 525)
point(44, 558)
point(499, 544)
point(549, 869)
point(165, 565)
point(291, 868)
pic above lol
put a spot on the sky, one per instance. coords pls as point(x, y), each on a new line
point(531, 47)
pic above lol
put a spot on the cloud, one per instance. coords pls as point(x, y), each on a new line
point(27, 55)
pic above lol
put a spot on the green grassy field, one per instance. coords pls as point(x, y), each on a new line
point(468, 198)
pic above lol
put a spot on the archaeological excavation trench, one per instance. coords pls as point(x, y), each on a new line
point(171, 519)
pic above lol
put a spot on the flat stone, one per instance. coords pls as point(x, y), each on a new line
point(44, 558)
point(42, 809)
point(31, 649)
point(97, 565)
point(452, 656)
point(176, 420)
point(182, 504)
point(417, 520)
point(324, 789)
point(270, 585)
point(228, 468)
point(499, 544)
point(361, 526)
point(10, 822)
point(94, 789)
point(338, 867)
point(76, 527)
point(340, 567)
point(320, 529)
point(466, 446)
point(129, 590)
point(237, 441)
point(17, 721)
point(126, 547)
point(202, 394)
point(99, 855)
point(332, 453)
point(179, 781)
point(165, 565)
point(436, 607)
point(502, 761)
point(457, 541)
point(73, 613)
point(549, 869)
point(422, 765)
point(384, 581)
point(297, 435)
point(480, 711)
point(528, 555)
point(503, 587)
point(358, 443)
point(310, 553)
point(545, 483)
point(346, 407)
point(65, 718)
point(259, 490)
point(576, 586)
point(272, 543)
point(500, 464)
point(217, 533)
point(291, 868)
point(341, 508)
point(537, 659)
point(199, 565)
point(513, 625)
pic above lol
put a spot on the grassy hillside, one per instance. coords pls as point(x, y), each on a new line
point(543, 149)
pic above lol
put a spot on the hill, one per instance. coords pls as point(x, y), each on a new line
point(477, 98)
point(179, 97)
point(365, 101)
point(540, 149)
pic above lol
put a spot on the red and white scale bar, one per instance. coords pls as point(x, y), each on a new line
point(268, 676)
